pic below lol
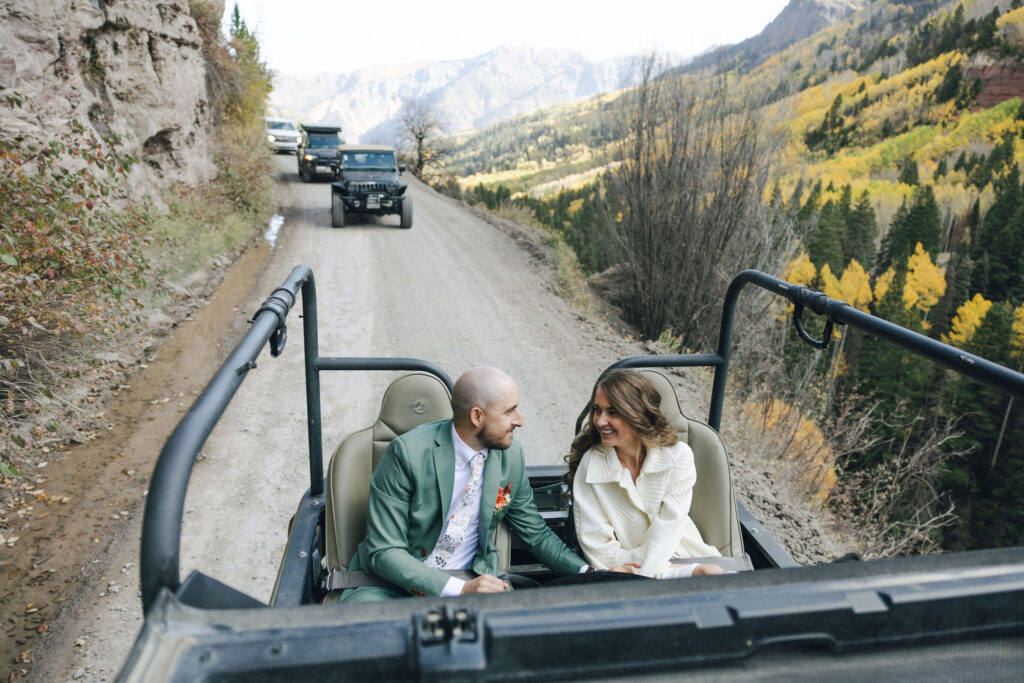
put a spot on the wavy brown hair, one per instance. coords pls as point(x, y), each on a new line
point(635, 399)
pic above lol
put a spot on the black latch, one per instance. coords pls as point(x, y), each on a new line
point(449, 640)
point(279, 303)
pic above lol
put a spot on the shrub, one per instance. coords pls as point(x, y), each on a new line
point(71, 254)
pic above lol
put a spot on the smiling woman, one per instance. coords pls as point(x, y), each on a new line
point(632, 484)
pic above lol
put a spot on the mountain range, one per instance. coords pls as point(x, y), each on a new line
point(476, 92)
point(464, 93)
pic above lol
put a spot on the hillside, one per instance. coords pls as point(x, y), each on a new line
point(466, 93)
point(898, 138)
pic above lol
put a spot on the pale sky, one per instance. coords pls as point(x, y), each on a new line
point(338, 36)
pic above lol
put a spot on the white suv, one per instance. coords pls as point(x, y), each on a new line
point(282, 135)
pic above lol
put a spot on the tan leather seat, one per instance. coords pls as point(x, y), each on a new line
point(713, 509)
point(410, 400)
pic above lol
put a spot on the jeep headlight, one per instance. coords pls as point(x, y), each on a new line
point(392, 188)
point(309, 157)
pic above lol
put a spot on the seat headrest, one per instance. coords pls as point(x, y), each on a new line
point(669, 400)
point(412, 400)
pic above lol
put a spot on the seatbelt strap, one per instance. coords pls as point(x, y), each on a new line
point(735, 564)
point(339, 579)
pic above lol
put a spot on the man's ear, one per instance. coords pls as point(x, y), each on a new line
point(476, 416)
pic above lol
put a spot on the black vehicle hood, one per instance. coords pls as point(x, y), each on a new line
point(887, 617)
point(326, 153)
point(361, 176)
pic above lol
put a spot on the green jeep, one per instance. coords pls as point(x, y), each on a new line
point(366, 182)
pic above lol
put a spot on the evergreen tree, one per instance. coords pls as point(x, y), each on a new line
point(824, 242)
point(988, 31)
point(994, 498)
point(958, 285)
point(950, 84)
point(809, 209)
point(921, 222)
point(908, 172)
point(887, 128)
point(861, 231)
point(997, 247)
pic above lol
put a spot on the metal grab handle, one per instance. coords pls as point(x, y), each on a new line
point(798, 310)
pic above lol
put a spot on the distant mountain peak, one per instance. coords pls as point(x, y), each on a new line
point(466, 93)
point(798, 20)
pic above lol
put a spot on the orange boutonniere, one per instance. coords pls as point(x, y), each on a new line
point(504, 498)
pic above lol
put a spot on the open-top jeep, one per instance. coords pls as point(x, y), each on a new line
point(366, 182)
point(957, 615)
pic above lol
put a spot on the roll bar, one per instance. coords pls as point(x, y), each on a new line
point(836, 312)
point(165, 504)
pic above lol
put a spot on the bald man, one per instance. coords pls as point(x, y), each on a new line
point(439, 492)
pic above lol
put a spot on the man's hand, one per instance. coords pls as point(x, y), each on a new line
point(707, 570)
point(626, 568)
point(484, 583)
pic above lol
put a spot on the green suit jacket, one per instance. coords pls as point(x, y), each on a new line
point(410, 493)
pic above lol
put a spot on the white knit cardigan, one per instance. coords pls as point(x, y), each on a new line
point(648, 521)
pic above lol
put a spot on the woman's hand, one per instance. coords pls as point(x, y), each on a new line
point(707, 570)
point(626, 568)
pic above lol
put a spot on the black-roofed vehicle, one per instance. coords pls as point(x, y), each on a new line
point(366, 182)
point(956, 616)
point(317, 154)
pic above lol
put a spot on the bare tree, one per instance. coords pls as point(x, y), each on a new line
point(686, 200)
point(423, 133)
point(897, 507)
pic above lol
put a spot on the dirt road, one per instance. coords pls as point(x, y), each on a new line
point(454, 289)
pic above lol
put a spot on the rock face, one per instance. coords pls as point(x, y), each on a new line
point(130, 67)
point(1001, 80)
point(465, 93)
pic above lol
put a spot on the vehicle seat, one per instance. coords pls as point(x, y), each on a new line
point(410, 400)
point(713, 509)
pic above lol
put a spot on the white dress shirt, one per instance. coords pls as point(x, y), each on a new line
point(462, 556)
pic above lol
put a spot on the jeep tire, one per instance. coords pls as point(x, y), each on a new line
point(406, 218)
point(337, 211)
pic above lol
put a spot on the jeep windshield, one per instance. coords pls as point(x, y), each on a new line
point(279, 125)
point(323, 142)
point(376, 161)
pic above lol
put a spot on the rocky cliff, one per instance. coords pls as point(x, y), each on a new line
point(130, 67)
point(466, 93)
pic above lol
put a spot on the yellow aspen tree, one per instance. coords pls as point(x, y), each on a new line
point(968, 316)
point(1017, 337)
point(801, 271)
point(883, 283)
point(829, 282)
point(926, 282)
point(855, 286)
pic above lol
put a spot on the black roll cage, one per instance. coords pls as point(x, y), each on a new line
point(161, 529)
